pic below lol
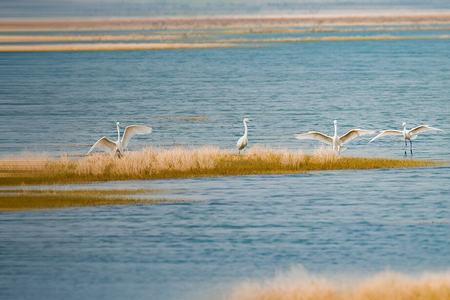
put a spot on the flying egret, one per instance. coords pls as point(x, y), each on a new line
point(243, 141)
point(337, 142)
point(121, 144)
point(408, 135)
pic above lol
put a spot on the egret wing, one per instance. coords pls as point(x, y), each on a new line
point(386, 133)
point(353, 134)
point(131, 131)
point(421, 129)
point(315, 135)
point(104, 143)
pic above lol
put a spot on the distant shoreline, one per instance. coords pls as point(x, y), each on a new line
point(174, 33)
point(208, 22)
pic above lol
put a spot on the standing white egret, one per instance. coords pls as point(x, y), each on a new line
point(408, 135)
point(121, 144)
point(243, 141)
point(337, 142)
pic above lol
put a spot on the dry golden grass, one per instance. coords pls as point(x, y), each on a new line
point(383, 286)
point(156, 163)
point(17, 200)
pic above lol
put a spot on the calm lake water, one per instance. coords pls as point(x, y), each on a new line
point(133, 8)
point(228, 229)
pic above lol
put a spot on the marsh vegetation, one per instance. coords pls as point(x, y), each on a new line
point(181, 162)
point(17, 200)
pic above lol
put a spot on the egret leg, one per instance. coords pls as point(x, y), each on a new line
point(411, 147)
point(406, 146)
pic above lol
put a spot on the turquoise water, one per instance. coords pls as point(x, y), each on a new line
point(228, 229)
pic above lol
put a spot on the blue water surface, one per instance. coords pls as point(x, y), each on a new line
point(227, 230)
point(157, 8)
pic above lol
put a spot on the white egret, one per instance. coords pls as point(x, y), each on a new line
point(408, 135)
point(121, 144)
point(337, 142)
point(243, 140)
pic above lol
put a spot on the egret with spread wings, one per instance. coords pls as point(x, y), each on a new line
point(407, 135)
point(337, 142)
point(118, 147)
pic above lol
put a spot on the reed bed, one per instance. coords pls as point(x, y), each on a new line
point(180, 162)
point(19, 200)
point(386, 286)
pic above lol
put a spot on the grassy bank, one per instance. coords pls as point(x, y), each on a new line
point(155, 163)
point(18, 200)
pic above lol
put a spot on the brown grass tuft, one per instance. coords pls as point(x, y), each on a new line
point(385, 286)
point(157, 163)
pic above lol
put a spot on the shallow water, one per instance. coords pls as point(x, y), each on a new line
point(228, 229)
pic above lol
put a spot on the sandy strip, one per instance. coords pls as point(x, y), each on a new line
point(83, 38)
point(110, 47)
point(26, 25)
point(331, 29)
point(340, 39)
point(219, 44)
point(199, 34)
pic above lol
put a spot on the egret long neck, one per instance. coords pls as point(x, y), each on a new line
point(118, 132)
point(335, 130)
point(245, 128)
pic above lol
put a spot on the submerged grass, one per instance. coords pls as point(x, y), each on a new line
point(18, 200)
point(156, 163)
